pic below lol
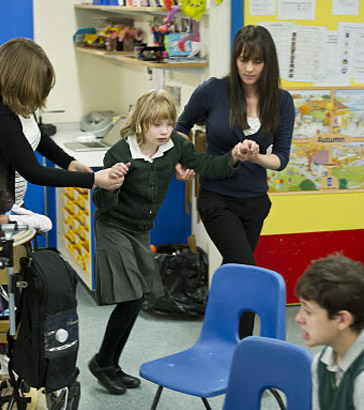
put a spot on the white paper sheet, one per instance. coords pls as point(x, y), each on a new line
point(345, 7)
point(306, 52)
point(296, 9)
point(157, 79)
point(351, 50)
point(281, 33)
point(329, 73)
point(262, 7)
point(358, 56)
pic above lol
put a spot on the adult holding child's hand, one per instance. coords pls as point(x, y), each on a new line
point(26, 78)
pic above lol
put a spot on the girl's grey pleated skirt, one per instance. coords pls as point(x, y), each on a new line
point(125, 268)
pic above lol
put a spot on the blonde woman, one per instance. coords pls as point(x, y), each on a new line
point(26, 78)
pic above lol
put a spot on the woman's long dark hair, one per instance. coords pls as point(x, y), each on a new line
point(256, 40)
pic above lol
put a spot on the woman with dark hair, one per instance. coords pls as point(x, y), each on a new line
point(26, 78)
point(245, 106)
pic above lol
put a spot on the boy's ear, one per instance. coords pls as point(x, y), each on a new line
point(345, 319)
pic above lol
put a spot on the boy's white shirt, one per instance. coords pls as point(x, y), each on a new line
point(23, 216)
point(137, 154)
point(328, 358)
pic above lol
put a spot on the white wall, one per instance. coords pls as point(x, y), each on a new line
point(54, 26)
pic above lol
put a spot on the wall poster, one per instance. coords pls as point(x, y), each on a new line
point(327, 150)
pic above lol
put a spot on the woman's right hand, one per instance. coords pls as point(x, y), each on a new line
point(112, 178)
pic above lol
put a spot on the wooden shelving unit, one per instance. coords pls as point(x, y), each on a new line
point(102, 53)
point(134, 60)
point(125, 57)
point(122, 9)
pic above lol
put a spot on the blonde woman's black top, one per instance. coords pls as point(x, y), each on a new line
point(17, 154)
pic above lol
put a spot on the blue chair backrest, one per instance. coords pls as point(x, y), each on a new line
point(236, 288)
point(260, 363)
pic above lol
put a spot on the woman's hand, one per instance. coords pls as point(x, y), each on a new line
point(184, 174)
point(112, 178)
point(247, 150)
point(78, 166)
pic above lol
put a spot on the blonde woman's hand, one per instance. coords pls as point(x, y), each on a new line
point(78, 166)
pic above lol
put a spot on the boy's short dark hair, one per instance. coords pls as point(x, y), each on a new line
point(335, 283)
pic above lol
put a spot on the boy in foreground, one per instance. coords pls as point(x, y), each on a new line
point(331, 294)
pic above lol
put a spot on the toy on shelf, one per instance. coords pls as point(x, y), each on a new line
point(190, 8)
point(120, 34)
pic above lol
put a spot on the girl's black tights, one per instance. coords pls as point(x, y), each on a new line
point(117, 331)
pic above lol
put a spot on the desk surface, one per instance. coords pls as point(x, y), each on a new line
point(68, 132)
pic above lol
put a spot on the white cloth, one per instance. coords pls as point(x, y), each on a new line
point(32, 134)
point(4, 361)
point(23, 216)
point(329, 359)
point(254, 125)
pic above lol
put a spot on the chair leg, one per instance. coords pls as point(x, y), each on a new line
point(206, 403)
point(278, 398)
point(156, 398)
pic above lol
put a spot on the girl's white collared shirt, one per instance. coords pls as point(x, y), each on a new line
point(137, 154)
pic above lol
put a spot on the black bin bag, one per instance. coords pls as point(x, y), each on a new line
point(185, 279)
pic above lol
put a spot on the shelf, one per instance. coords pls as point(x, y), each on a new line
point(102, 53)
point(125, 57)
point(122, 9)
point(134, 60)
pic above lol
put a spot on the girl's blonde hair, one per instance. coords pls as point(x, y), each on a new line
point(151, 107)
point(26, 76)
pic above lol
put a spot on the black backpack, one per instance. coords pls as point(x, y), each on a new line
point(45, 350)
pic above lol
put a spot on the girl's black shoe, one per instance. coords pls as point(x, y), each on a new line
point(130, 382)
point(107, 376)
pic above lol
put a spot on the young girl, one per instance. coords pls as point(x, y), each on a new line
point(124, 264)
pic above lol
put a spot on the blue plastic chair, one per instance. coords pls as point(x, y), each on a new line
point(203, 370)
point(261, 363)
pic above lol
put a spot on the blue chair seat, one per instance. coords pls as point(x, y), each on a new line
point(199, 371)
